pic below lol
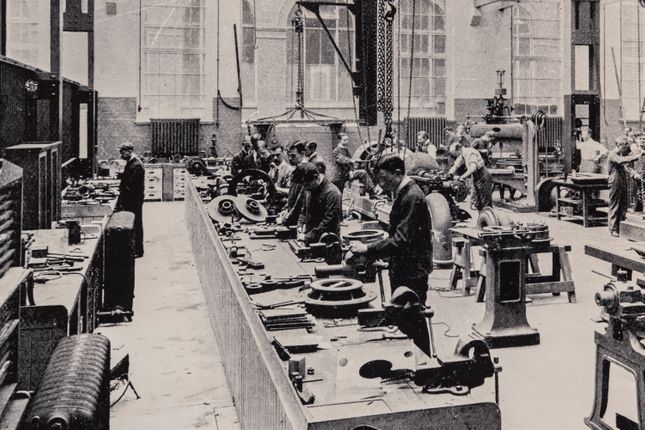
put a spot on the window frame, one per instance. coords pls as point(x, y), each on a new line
point(526, 103)
point(183, 101)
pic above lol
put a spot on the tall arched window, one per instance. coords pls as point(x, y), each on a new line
point(173, 68)
point(248, 51)
point(326, 80)
point(537, 56)
point(429, 64)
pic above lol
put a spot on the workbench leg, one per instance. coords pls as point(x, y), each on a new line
point(481, 282)
point(534, 263)
point(454, 276)
point(557, 202)
point(565, 266)
point(585, 208)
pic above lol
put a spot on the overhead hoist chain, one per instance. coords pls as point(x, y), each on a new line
point(299, 28)
point(386, 15)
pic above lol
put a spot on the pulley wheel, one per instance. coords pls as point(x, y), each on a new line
point(251, 210)
point(221, 209)
point(196, 166)
point(365, 236)
point(490, 217)
point(254, 181)
point(336, 285)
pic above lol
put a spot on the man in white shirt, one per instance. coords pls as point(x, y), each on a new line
point(591, 152)
point(471, 159)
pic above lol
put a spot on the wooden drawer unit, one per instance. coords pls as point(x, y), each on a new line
point(178, 183)
point(154, 183)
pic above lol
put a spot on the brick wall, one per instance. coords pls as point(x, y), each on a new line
point(116, 124)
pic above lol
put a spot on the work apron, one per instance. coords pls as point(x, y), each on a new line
point(483, 188)
point(618, 195)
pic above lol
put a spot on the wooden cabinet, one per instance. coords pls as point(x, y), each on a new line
point(40, 162)
point(165, 181)
point(153, 185)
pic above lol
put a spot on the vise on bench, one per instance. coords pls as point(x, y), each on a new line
point(466, 368)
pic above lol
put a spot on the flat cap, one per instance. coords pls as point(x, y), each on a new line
point(126, 145)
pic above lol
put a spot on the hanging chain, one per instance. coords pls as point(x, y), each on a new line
point(385, 56)
point(387, 103)
point(380, 54)
point(298, 22)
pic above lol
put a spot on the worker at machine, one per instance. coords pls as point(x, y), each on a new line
point(591, 152)
point(341, 162)
point(484, 145)
point(239, 160)
point(460, 136)
point(323, 210)
point(409, 245)
point(131, 193)
point(311, 151)
point(259, 157)
point(618, 160)
point(471, 159)
point(425, 145)
point(296, 195)
point(280, 171)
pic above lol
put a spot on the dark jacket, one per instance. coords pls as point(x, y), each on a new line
point(315, 158)
point(323, 211)
point(295, 203)
point(341, 163)
point(132, 186)
point(254, 161)
point(409, 245)
point(239, 162)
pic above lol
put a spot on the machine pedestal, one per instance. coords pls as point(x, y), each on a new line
point(505, 338)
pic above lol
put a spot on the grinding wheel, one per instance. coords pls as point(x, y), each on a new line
point(250, 209)
point(221, 209)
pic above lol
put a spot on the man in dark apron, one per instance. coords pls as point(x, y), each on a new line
point(619, 173)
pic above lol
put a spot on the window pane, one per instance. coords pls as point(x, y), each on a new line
point(537, 55)
point(173, 54)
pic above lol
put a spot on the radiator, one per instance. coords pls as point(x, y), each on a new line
point(550, 134)
point(10, 215)
point(175, 136)
point(74, 392)
point(433, 125)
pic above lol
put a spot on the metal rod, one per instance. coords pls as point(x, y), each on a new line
point(237, 61)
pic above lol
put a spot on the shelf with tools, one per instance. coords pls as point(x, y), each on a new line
point(342, 357)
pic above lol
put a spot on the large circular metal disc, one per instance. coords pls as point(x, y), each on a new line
point(221, 209)
point(365, 236)
point(251, 210)
point(336, 285)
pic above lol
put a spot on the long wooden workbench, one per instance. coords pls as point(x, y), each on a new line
point(620, 256)
point(258, 380)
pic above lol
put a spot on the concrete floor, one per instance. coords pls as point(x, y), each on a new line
point(174, 359)
point(176, 368)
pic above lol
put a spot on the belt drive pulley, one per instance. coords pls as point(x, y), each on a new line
point(221, 209)
point(337, 297)
point(251, 210)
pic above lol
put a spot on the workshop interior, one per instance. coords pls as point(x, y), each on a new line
point(322, 215)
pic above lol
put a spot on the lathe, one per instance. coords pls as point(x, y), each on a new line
point(620, 345)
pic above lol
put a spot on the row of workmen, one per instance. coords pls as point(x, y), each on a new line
point(313, 201)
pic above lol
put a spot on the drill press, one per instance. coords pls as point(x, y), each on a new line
point(621, 344)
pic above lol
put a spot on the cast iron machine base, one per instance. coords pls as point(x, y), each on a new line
point(504, 323)
point(621, 344)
